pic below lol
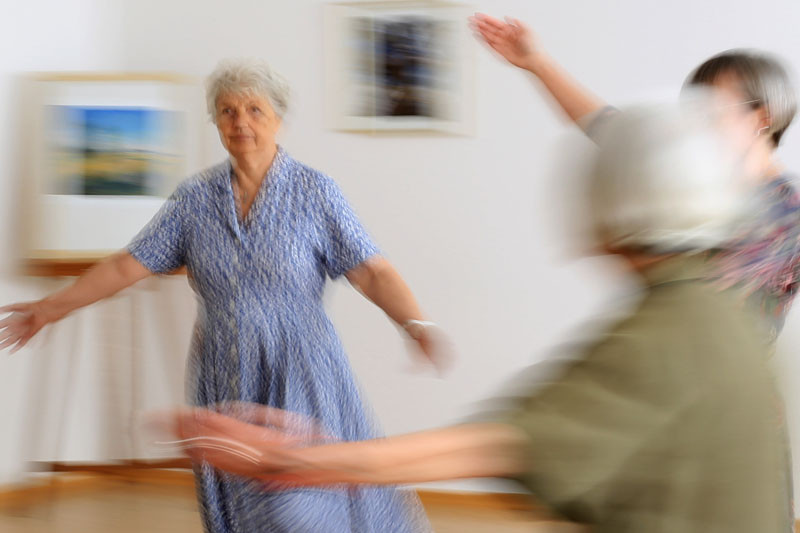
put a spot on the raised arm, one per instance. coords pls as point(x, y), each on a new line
point(518, 45)
point(101, 281)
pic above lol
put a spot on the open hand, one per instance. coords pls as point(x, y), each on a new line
point(23, 322)
point(249, 440)
point(512, 39)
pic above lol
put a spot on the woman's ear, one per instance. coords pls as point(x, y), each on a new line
point(764, 123)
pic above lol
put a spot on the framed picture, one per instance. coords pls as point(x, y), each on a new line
point(105, 152)
point(399, 66)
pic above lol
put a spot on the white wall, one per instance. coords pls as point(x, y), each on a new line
point(34, 36)
point(475, 224)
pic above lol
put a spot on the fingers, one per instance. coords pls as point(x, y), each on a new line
point(222, 453)
point(161, 425)
point(515, 23)
point(9, 342)
point(231, 444)
point(204, 423)
point(500, 47)
point(23, 307)
point(518, 23)
point(501, 41)
point(492, 26)
point(20, 344)
point(14, 321)
point(15, 329)
point(522, 31)
point(497, 44)
point(12, 333)
point(491, 32)
point(485, 20)
point(218, 442)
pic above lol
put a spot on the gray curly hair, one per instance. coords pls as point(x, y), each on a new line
point(247, 76)
point(665, 180)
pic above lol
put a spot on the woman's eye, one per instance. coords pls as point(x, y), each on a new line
point(255, 109)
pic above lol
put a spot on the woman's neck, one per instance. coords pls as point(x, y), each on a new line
point(764, 164)
point(252, 167)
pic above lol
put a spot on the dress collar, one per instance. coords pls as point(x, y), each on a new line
point(280, 164)
point(226, 203)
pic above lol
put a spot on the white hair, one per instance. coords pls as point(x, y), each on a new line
point(665, 180)
point(254, 76)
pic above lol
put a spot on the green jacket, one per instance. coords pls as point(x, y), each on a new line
point(666, 424)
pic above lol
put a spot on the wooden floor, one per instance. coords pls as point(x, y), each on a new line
point(113, 505)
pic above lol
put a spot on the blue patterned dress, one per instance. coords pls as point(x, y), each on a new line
point(262, 334)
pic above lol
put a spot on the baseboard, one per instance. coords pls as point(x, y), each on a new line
point(47, 488)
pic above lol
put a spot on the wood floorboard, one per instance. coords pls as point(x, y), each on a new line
point(111, 504)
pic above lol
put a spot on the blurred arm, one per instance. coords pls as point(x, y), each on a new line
point(517, 44)
point(282, 450)
point(101, 281)
point(380, 282)
point(472, 450)
point(574, 99)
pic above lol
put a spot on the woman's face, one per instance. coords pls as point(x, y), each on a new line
point(247, 124)
point(743, 120)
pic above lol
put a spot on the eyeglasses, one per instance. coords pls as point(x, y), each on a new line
point(752, 103)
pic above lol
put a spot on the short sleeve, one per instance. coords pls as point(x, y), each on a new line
point(160, 245)
point(345, 242)
point(582, 428)
point(592, 124)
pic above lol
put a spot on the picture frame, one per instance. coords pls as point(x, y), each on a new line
point(103, 152)
point(396, 66)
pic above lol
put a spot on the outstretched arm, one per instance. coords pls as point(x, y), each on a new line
point(101, 281)
point(470, 450)
point(379, 281)
point(518, 45)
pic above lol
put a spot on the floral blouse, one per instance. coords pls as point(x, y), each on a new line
point(763, 260)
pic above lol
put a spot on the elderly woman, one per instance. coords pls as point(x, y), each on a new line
point(635, 435)
point(259, 234)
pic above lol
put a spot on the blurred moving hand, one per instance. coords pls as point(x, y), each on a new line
point(518, 45)
point(246, 439)
point(511, 38)
point(289, 453)
point(433, 346)
point(24, 321)
point(103, 280)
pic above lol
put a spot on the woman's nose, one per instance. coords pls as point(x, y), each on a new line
point(240, 119)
